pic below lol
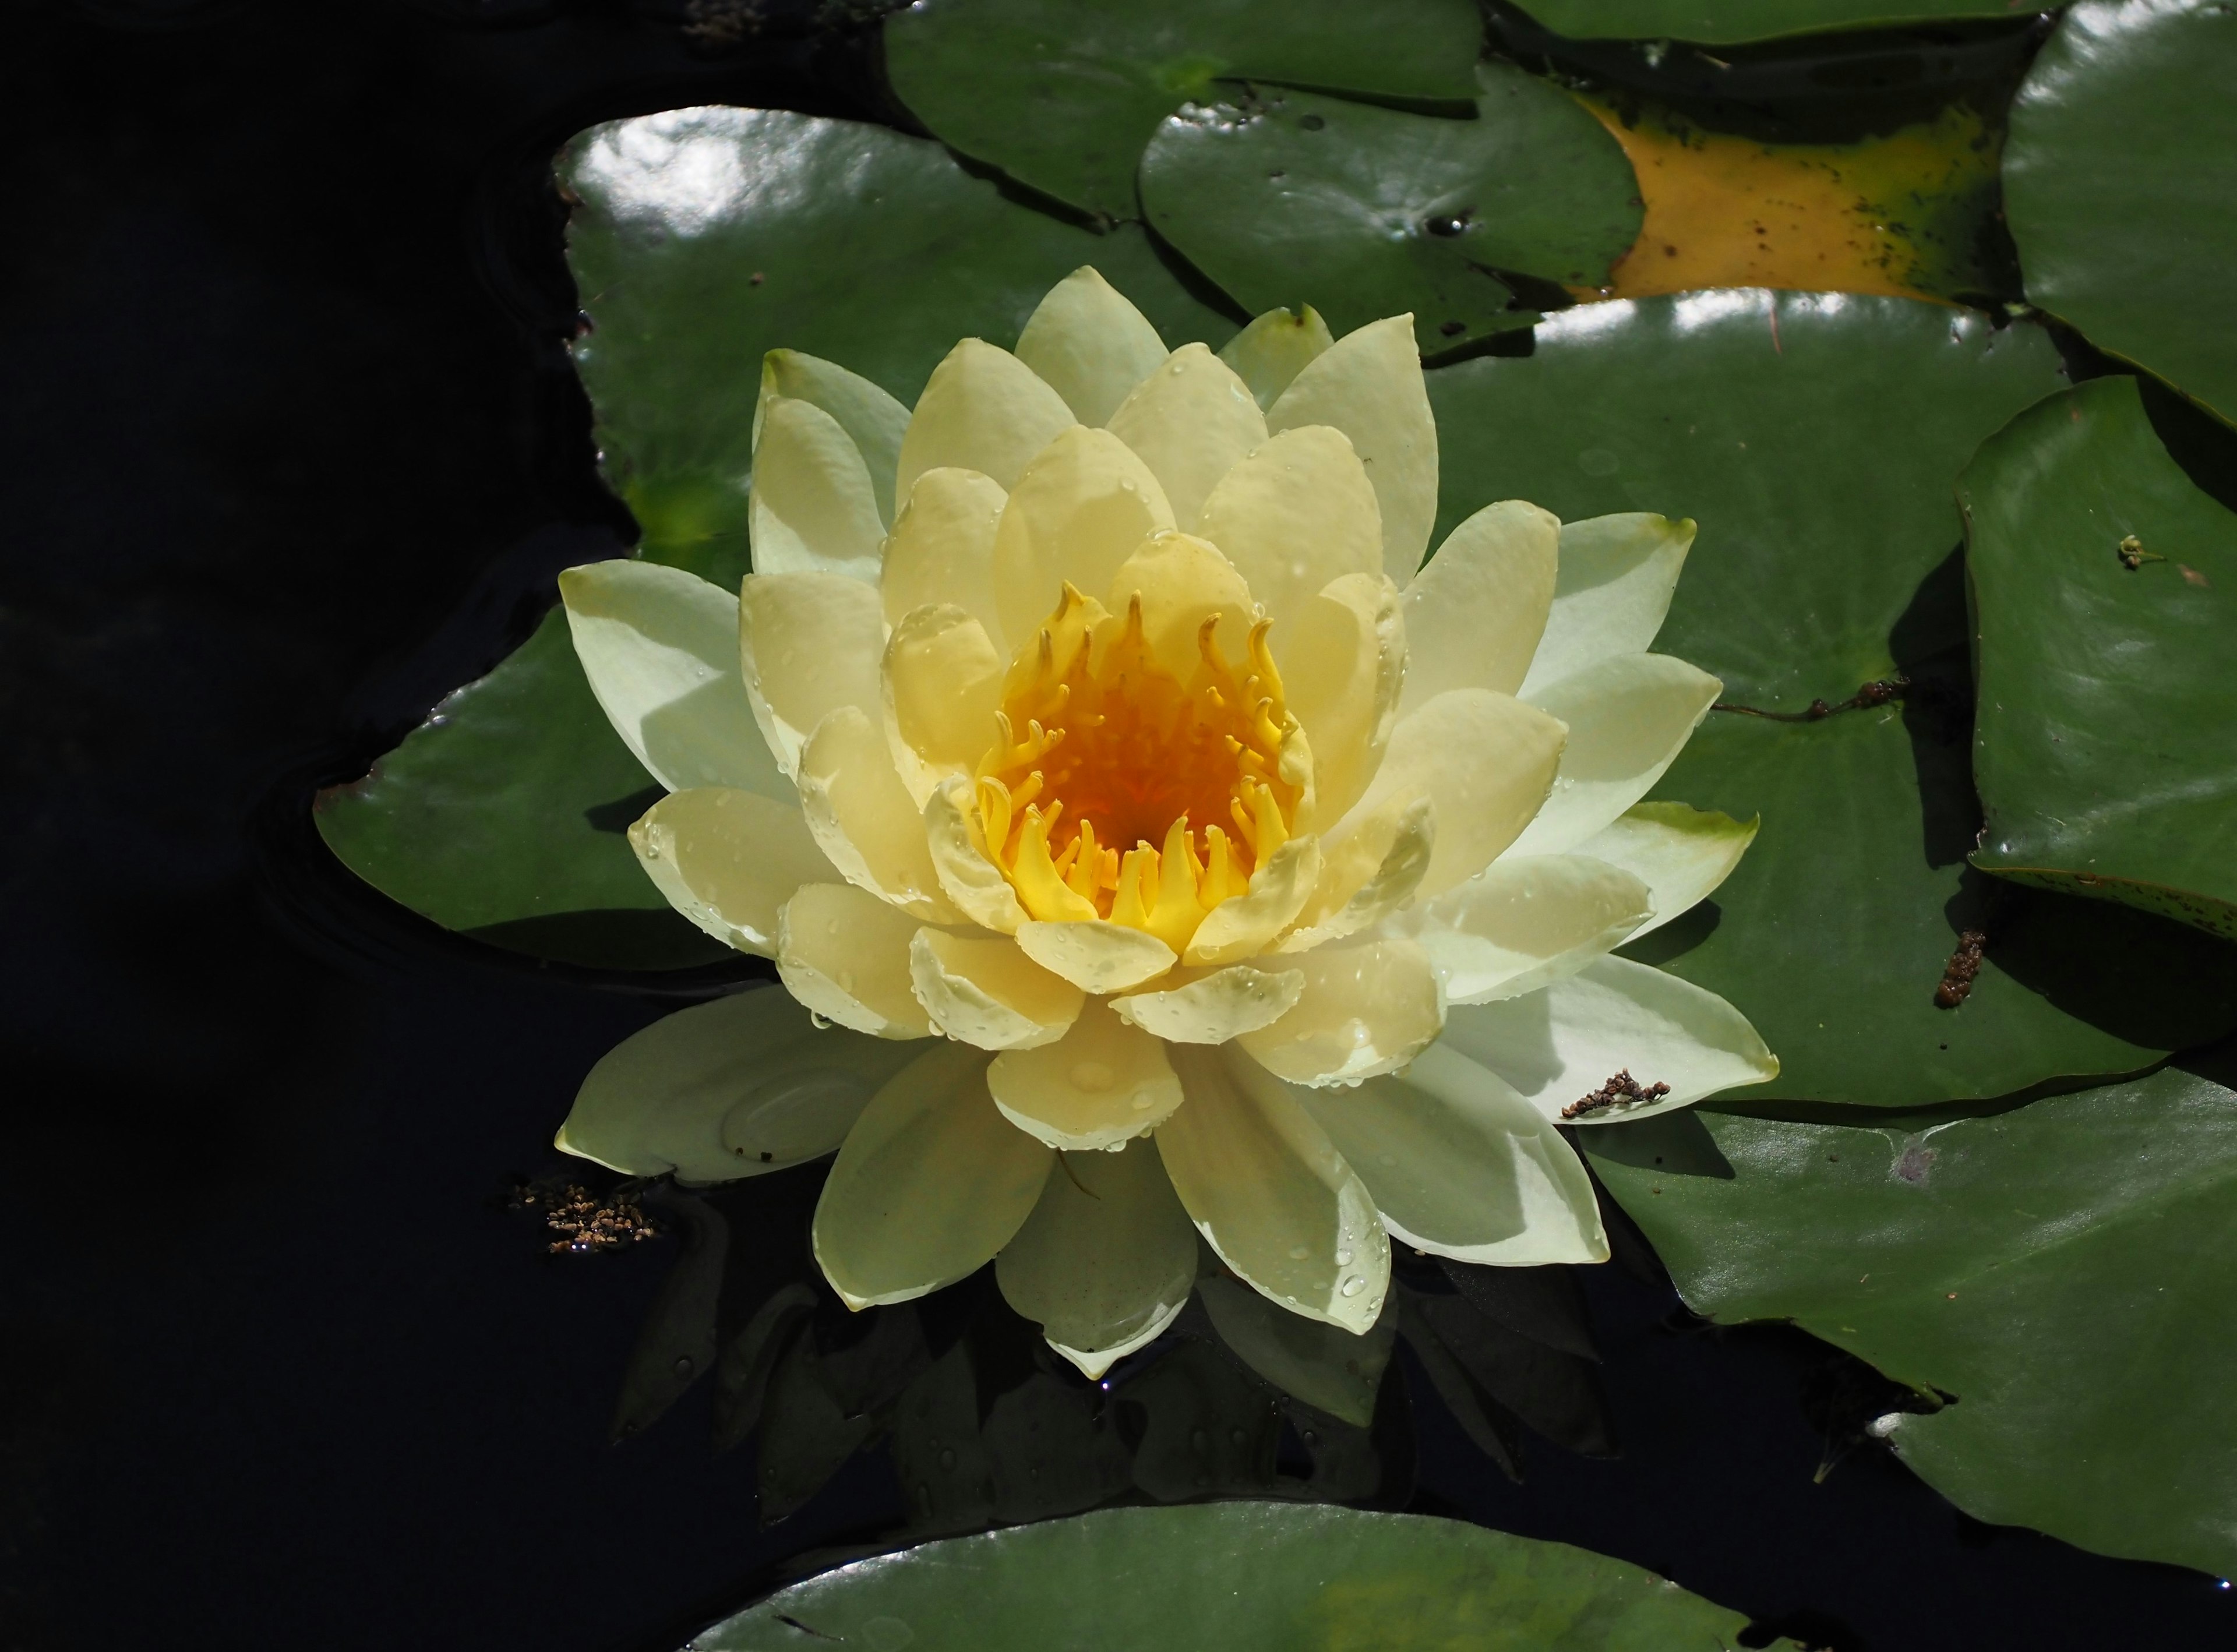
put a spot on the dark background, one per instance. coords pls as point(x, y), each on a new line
point(288, 447)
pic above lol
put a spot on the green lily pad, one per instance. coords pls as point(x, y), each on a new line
point(1314, 1577)
point(1288, 197)
point(2119, 174)
point(1730, 22)
point(1815, 439)
point(2064, 1271)
point(1063, 94)
point(2106, 746)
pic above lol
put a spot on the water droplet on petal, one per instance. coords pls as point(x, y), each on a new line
point(1353, 1287)
point(1298, 1253)
point(1343, 1259)
point(1095, 1077)
point(948, 1458)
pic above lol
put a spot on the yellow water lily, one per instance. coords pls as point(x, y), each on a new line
point(1150, 841)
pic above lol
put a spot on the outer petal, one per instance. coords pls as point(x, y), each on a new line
point(1629, 720)
point(1461, 1166)
point(1089, 344)
point(1524, 921)
point(872, 420)
point(943, 684)
point(1475, 612)
point(810, 643)
point(1095, 955)
point(814, 508)
point(1096, 1087)
point(1106, 1260)
point(739, 1087)
point(967, 877)
point(1369, 385)
point(1612, 590)
point(1562, 1045)
point(1244, 926)
point(1216, 1007)
point(1275, 348)
point(1679, 852)
point(942, 548)
point(845, 953)
point(1328, 1369)
point(1191, 422)
point(1486, 761)
point(1343, 656)
point(864, 818)
point(933, 1181)
point(981, 410)
point(1276, 1201)
point(985, 992)
point(1368, 1007)
point(1369, 872)
point(1182, 581)
point(1076, 512)
point(661, 648)
point(728, 860)
point(1295, 514)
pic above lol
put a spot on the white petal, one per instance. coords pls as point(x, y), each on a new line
point(1342, 658)
point(728, 860)
point(873, 419)
point(1461, 1166)
point(814, 509)
point(1562, 1045)
point(1369, 385)
point(1275, 348)
point(1679, 852)
point(942, 549)
point(932, 1183)
point(1522, 921)
point(1106, 1260)
point(981, 410)
point(1089, 344)
point(1613, 588)
point(1368, 1006)
point(745, 1085)
point(810, 643)
point(845, 953)
point(1475, 612)
point(660, 647)
point(943, 686)
point(984, 991)
point(967, 877)
point(1077, 512)
point(1276, 1201)
point(1095, 955)
point(1369, 871)
point(1191, 422)
point(1486, 761)
point(1182, 581)
point(864, 818)
point(1244, 925)
point(1295, 514)
point(1214, 1008)
point(1096, 1087)
point(1628, 718)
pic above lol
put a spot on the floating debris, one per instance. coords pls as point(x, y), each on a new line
point(1620, 1091)
point(2133, 556)
point(584, 1222)
point(1957, 974)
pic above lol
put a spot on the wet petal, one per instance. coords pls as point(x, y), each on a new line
point(984, 991)
point(943, 686)
point(1475, 612)
point(728, 860)
point(1369, 871)
point(1342, 658)
point(1329, 1370)
point(845, 953)
point(982, 410)
point(872, 420)
point(1106, 1260)
point(810, 643)
point(1089, 344)
point(1367, 1007)
point(1214, 1008)
point(1679, 852)
point(864, 818)
point(1096, 955)
point(660, 647)
point(1100, 1085)
point(1629, 720)
point(942, 549)
point(1524, 921)
point(1274, 1200)
point(1078, 510)
point(1296, 513)
point(1563, 1044)
point(1369, 385)
point(1182, 581)
point(1191, 422)
point(1486, 761)
point(740, 1087)
point(814, 509)
point(967, 877)
point(932, 1183)
point(1613, 588)
point(1245, 925)
point(1275, 348)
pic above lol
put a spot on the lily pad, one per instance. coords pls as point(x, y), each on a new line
point(2106, 748)
point(1730, 22)
point(1816, 440)
point(1286, 197)
point(2062, 1270)
point(2118, 178)
point(1063, 94)
point(1316, 1577)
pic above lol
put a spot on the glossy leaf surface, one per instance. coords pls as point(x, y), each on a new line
point(2118, 180)
point(2064, 1270)
point(1816, 440)
point(1063, 94)
point(1728, 22)
point(1314, 1577)
point(2106, 743)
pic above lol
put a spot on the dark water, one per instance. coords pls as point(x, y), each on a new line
point(290, 448)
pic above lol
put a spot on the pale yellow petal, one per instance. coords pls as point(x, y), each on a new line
point(845, 953)
point(1486, 762)
point(968, 877)
point(1274, 1200)
point(943, 686)
point(1369, 385)
point(1369, 872)
point(981, 410)
point(1368, 1006)
point(1214, 1008)
point(1245, 925)
point(810, 643)
point(1295, 514)
point(1628, 718)
point(1096, 955)
point(1275, 348)
point(1617, 576)
point(1342, 658)
point(1089, 345)
point(1077, 512)
point(873, 419)
point(1097, 1087)
point(864, 818)
point(932, 1183)
point(814, 509)
point(1475, 612)
point(1522, 921)
point(728, 860)
point(1182, 581)
point(1191, 422)
point(984, 991)
point(1681, 853)
point(942, 548)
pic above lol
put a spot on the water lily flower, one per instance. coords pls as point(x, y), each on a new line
point(1150, 841)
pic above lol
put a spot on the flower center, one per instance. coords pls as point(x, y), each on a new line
point(1099, 745)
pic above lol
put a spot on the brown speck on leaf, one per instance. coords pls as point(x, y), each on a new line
point(2191, 576)
point(582, 1222)
point(755, 278)
point(1957, 974)
point(1620, 1091)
